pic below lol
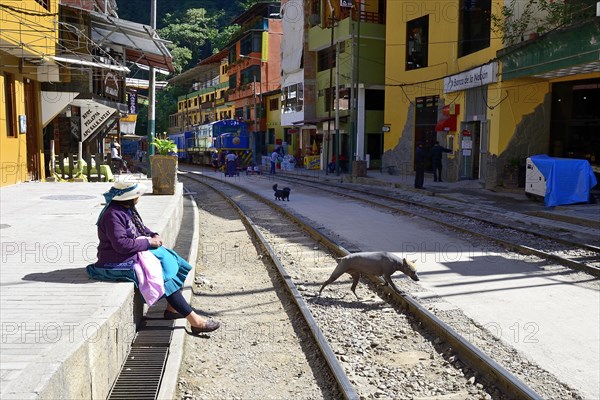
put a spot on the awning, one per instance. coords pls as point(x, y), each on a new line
point(446, 124)
point(82, 61)
point(140, 42)
point(53, 103)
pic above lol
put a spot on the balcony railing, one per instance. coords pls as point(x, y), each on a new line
point(363, 16)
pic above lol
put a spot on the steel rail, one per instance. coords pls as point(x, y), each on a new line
point(526, 250)
point(338, 372)
point(469, 353)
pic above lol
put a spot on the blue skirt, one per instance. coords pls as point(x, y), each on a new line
point(175, 269)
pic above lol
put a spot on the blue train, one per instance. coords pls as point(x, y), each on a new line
point(210, 142)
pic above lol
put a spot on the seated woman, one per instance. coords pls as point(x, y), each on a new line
point(124, 240)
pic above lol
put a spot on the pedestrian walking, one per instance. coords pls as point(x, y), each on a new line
point(420, 157)
point(274, 157)
point(130, 251)
point(436, 160)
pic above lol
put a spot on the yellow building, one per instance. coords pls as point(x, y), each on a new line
point(276, 134)
point(453, 76)
point(207, 101)
point(28, 37)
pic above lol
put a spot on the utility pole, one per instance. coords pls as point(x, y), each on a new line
point(331, 101)
point(338, 142)
point(151, 99)
point(255, 136)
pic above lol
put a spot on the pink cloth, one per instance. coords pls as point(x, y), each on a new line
point(150, 277)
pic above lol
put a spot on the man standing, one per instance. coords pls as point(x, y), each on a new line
point(274, 156)
point(420, 156)
point(436, 160)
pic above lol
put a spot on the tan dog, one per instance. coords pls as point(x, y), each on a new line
point(376, 263)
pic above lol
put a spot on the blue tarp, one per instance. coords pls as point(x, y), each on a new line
point(568, 180)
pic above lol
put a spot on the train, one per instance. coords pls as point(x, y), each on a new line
point(210, 142)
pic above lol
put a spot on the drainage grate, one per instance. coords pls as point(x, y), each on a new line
point(141, 374)
point(154, 333)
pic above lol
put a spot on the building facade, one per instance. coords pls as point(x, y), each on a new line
point(348, 42)
point(457, 74)
point(254, 68)
point(28, 39)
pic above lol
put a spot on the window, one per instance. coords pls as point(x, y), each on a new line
point(474, 26)
point(251, 43)
point(326, 59)
point(10, 105)
point(417, 38)
point(44, 3)
point(374, 100)
point(273, 104)
point(195, 101)
point(231, 55)
point(232, 82)
point(271, 136)
point(239, 113)
point(250, 74)
point(292, 98)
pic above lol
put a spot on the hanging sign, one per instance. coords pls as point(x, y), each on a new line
point(92, 118)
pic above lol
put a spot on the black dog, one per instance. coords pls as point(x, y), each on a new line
point(282, 194)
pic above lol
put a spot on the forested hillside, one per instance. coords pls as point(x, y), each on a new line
point(196, 29)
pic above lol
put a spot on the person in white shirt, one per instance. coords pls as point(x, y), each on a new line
point(274, 156)
point(117, 161)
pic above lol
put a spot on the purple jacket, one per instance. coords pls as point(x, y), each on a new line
point(117, 234)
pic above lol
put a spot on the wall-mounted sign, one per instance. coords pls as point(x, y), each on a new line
point(111, 85)
point(22, 124)
point(346, 3)
point(475, 77)
point(385, 128)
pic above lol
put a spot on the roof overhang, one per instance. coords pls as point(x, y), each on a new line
point(141, 43)
point(570, 51)
point(195, 74)
point(83, 62)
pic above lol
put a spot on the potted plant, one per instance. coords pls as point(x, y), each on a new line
point(164, 166)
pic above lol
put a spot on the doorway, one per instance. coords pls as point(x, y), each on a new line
point(32, 136)
point(470, 141)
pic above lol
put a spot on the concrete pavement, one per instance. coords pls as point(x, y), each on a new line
point(64, 335)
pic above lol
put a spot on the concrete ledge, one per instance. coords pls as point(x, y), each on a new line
point(89, 350)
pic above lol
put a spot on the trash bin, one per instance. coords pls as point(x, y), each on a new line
point(359, 168)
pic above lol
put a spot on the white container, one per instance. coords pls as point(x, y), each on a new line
point(535, 183)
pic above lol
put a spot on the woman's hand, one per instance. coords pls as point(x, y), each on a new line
point(155, 242)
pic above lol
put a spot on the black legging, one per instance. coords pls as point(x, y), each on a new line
point(177, 301)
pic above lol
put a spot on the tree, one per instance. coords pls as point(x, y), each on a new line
point(192, 35)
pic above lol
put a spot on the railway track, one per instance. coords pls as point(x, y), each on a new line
point(387, 346)
point(509, 233)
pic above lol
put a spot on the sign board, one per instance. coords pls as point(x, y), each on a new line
point(346, 3)
point(475, 77)
point(93, 117)
point(467, 144)
point(385, 128)
point(22, 124)
point(132, 103)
